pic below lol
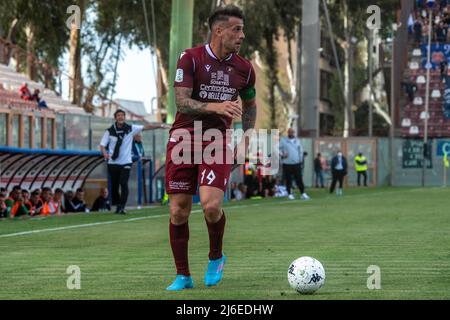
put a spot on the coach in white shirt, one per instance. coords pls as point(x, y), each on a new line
point(291, 151)
point(116, 147)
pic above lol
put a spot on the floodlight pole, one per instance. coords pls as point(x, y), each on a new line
point(427, 96)
point(370, 83)
point(392, 127)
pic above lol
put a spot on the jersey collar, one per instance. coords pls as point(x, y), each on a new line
point(212, 55)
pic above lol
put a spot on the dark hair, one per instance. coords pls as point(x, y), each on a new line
point(80, 190)
point(119, 111)
point(59, 190)
point(224, 13)
point(25, 191)
point(17, 188)
point(35, 193)
point(45, 189)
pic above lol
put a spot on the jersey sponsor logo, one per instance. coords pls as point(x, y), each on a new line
point(203, 94)
point(179, 75)
point(179, 185)
point(220, 78)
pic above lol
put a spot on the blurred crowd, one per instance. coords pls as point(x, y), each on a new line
point(419, 21)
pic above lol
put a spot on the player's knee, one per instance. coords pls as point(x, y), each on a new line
point(179, 213)
point(212, 209)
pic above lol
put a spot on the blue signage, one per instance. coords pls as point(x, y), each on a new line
point(443, 147)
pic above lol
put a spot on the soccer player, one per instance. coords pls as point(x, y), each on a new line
point(208, 81)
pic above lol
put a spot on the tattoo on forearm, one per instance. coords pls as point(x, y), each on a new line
point(186, 104)
point(248, 117)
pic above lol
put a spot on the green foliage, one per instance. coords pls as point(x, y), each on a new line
point(48, 19)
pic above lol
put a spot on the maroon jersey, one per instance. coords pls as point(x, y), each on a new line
point(212, 80)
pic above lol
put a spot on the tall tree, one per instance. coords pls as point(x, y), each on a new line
point(349, 26)
point(75, 78)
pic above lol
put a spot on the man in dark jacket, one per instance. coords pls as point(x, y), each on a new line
point(102, 202)
point(339, 171)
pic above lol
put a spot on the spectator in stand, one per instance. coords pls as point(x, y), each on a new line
point(410, 88)
point(35, 97)
point(79, 205)
point(420, 4)
point(24, 92)
point(448, 32)
point(444, 69)
point(425, 29)
point(3, 192)
point(441, 33)
point(410, 24)
point(446, 16)
point(15, 203)
point(3, 208)
point(418, 30)
point(102, 202)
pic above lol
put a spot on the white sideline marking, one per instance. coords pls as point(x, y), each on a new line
point(102, 223)
point(77, 226)
point(158, 216)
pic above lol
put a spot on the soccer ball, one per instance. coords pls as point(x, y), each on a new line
point(306, 275)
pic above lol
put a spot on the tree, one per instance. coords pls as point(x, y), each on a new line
point(75, 77)
point(37, 26)
point(348, 19)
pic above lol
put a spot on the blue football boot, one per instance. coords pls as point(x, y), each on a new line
point(215, 271)
point(181, 282)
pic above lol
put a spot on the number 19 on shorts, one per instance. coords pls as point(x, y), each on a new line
point(210, 177)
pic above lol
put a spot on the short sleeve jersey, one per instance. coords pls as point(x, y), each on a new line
point(212, 80)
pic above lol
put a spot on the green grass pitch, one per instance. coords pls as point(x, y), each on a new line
point(404, 231)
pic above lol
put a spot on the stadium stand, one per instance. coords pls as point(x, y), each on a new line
point(413, 112)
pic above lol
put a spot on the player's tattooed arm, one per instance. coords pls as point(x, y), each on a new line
point(248, 114)
point(186, 104)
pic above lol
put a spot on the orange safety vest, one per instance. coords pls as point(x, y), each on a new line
point(15, 208)
point(45, 210)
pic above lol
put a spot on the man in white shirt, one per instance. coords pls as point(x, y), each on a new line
point(116, 147)
point(291, 151)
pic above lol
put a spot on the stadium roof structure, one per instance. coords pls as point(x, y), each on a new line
point(37, 168)
point(136, 107)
